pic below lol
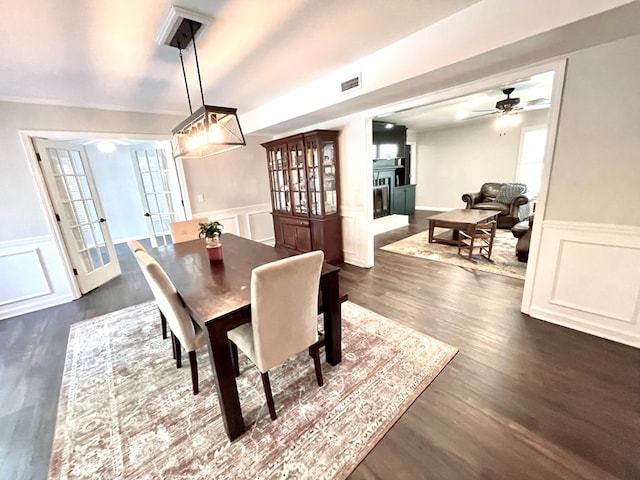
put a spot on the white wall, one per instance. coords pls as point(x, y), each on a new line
point(457, 160)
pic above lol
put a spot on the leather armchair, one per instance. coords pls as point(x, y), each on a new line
point(510, 213)
point(522, 231)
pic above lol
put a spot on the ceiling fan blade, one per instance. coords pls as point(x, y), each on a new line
point(538, 102)
point(481, 115)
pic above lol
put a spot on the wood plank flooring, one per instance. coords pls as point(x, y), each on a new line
point(523, 399)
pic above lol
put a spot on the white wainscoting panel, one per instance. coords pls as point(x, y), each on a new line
point(23, 287)
point(31, 276)
point(354, 244)
point(253, 221)
point(588, 278)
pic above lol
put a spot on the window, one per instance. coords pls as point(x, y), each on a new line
point(531, 161)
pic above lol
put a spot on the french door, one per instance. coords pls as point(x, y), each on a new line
point(79, 213)
point(159, 190)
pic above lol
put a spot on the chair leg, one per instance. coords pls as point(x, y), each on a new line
point(163, 322)
point(314, 351)
point(193, 361)
point(267, 393)
point(177, 348)
point(234, 357)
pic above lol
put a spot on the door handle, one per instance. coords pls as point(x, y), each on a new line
point(102, 220)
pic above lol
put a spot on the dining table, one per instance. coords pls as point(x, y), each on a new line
point(217, 295)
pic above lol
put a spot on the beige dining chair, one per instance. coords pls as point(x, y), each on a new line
point(184, 331)
point(284, 312)
point(136, 246)
point(186, 230)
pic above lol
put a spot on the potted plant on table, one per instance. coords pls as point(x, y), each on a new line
point(211, 231)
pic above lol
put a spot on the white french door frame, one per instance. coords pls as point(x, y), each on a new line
point(26, 137)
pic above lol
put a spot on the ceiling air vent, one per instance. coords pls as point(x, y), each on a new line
point(351, 84)
point(176, 21)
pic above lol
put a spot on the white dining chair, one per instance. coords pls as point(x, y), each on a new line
point(136, 246)
point(186, 230)
point(184, 331)
point(284, 312)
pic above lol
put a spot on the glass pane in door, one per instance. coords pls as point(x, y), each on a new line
point(330, 200)
point(157, 179)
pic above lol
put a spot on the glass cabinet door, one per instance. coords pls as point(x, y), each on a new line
point(329, 186)
point(279, 179)
point(298, 179)
point(315, 177)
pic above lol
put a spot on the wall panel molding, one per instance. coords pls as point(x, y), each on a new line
point(253, 221)
point(588, 278)
point(30, 277)
point(354, 220)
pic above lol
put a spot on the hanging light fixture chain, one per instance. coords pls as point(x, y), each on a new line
point(184, 74)
point(195, 53)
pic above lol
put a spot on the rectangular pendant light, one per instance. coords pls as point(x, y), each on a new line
point(209, 130)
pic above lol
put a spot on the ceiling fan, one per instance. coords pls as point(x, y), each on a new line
point(510, 105)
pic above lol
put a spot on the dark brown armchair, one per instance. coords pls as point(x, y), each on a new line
point(512, 201)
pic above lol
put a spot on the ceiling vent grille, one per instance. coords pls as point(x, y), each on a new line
point(177, 20)
point(351, 84)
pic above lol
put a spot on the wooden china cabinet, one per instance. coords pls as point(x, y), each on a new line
point(305, 192)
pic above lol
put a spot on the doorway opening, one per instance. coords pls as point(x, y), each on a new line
point(446, 166)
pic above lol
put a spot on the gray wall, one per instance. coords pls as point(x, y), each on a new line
point(230, 179)
point(596, 170)
point(19, 199)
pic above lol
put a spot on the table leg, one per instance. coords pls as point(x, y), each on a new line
point(332, 318)
point(225, 380)
point(432, 225)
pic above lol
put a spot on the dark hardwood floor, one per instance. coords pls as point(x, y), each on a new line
point(523, 399)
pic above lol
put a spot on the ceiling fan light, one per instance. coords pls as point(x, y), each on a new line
point(501, 122)
point(106, 146)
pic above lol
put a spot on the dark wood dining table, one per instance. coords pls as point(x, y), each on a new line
point(218, 297)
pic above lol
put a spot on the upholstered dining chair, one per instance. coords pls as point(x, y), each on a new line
point(184, 332)
point(185, 230)
point(284, 312)
point(136, 246)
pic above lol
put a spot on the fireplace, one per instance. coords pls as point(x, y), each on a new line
point(380, 200)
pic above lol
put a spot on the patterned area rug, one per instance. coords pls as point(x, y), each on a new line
point(503, 256)
point(125, 411)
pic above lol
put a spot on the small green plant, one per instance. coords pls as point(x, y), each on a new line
point(210, 229)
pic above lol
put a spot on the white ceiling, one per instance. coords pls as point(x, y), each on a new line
point(102, 53)
point(531, 92)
